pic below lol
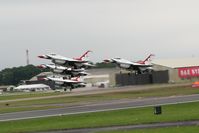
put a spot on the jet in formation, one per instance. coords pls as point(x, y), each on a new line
point(66, 71)
point(57, 69)
point(139, 67)
point(76, 63)
point(63, 82)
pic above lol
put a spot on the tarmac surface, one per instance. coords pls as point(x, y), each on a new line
point(101, 106)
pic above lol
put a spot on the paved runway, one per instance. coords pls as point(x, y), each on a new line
point(103, 106)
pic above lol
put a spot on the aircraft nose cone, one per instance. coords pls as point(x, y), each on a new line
point(42, 79)
point(40, 66)
point(106, 61)
point(41, 56)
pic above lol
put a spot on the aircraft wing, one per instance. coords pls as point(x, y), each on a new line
point(68, 59)
point(140, 65)
point(61, 58)
point(88, 64)
point(64, 80)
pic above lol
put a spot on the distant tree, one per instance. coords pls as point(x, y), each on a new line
point(12, 76)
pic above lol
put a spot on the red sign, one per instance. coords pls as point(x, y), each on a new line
point(188, 72)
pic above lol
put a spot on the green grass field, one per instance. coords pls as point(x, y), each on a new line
point(185, 129)
point(179, 112)
point(158, 92)
point(21, 95)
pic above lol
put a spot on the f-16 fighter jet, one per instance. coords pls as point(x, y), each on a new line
point(65, 61)
point(72, 83)
point(139, 67)
point(64, 70)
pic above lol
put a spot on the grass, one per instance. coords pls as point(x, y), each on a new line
point(158, 92)
point(17, 95)
point(179, 112)
point(182, 129)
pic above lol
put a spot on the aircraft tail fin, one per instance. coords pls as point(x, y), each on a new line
point(84, 55)
point(147, 59)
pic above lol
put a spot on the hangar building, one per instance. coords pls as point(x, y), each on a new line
point(180, 70)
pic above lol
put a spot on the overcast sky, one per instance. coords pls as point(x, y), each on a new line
point(110, 28)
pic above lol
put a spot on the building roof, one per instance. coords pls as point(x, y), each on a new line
point(33, 86)
point(177, 63)
point(6, 86)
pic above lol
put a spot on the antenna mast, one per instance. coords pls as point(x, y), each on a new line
point(27, 57)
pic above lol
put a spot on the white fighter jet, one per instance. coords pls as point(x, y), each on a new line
point(72, 83)
point(72, 62)
point(139, 67)
point(64, 70)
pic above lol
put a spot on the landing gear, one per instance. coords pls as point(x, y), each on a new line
point(72, 87)
point(120, 71)
point(150, 71)
point(131, 72)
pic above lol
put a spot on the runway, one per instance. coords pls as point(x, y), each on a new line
point(97, 107)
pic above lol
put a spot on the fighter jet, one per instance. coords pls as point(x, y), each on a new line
point(64, 70)
point(62, 82)
point(138, 67)
point(72, 62)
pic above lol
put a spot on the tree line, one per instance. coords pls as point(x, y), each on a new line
point(12, 76)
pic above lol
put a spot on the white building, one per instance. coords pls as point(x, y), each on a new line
point(33, 87)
